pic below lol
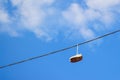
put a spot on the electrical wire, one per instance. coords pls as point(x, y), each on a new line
point(60, 50)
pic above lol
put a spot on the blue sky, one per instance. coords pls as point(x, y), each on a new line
point(30, 28)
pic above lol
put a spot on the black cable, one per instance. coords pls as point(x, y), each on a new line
point(60, 50)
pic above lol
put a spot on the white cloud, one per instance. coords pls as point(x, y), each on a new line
point(32, 14)
point(76, 15)
point(102, 4)
point(36, 17)
point(4, 17)
point(6, 20)
point(98, 13)
point(28, 15)
point(106, 9)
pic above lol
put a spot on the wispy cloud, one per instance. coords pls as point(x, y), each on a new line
point(4, 18)
point(26, 15)
point(76, 16)
point(96, 16)
point(32, 15)
point(37, 17)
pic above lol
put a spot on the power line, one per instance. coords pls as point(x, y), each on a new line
point(60, 50)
